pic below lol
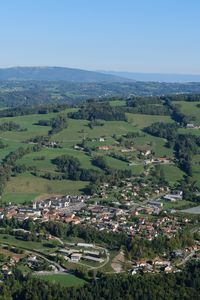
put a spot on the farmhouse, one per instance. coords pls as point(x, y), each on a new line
point(75, 257)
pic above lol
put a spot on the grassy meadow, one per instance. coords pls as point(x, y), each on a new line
point(191, 110)
point(67, 280)
point(26, 187)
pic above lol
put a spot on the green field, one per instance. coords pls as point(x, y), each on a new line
point(26, 187)
point(10, 146)
point(172, 173)
point(67, 280)
point(189, 131)
point(13, 241)
point(118, 103)
point(156, 145)
point(78, 129)
point(142, 121)
point(191, 110)
point(178, 205)
point(50, 153)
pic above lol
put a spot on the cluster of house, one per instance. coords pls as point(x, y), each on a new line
point(129, 191)
point(122, 220)
point(114, 218)
point(166, 265)
point(146, 266)
point(10, 261)
point(55, 208)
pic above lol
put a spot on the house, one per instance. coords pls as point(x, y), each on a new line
point(134, 271)
point(160, 262)
point(32, 258)
point(141, 263)
point(105, 148)
point(145, 152)
point(173, 197)
point(75, 257)
point(85, 245)
point(155, 203)
point(190, 125)
point(101, 139)
point(168, 269)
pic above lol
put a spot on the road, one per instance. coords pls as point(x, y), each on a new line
point(186, 259)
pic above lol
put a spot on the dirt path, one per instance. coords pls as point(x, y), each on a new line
point(117, 262)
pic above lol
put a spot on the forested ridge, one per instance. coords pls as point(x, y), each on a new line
point(179, 286)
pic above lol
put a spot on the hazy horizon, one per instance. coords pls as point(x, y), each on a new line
point(99, 70)
point(130, 36)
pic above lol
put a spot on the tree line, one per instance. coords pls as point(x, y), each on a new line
point(99, 110)
point(179, 286)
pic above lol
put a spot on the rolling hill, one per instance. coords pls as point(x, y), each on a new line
point(57, 74)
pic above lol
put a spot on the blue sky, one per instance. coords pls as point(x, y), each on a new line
point(122, 35)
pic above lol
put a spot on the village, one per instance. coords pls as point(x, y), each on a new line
point(144, 217)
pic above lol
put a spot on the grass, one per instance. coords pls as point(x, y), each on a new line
point(107, 268)
point(28, 122)
point(25, 186)
point(178, 205)
point(116, 163)
point(78, 129)
point(189, 131)
point(191, 110)
point(10, 146)
point(50, 153)
point(67, 280)
point(172, 173)
point(142, 121)
point(118, 103)
point(19, 198)
point(13, 241)
point(156, 144)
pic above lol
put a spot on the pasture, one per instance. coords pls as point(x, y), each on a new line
point(66, 280)
point(191, 110)
point(26, 187)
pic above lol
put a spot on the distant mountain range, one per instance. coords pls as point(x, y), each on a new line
point(58, 74)
point(84, 76)
point(157, 77)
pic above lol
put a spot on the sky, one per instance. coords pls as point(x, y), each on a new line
point(160, 36)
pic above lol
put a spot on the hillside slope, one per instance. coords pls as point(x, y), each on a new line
point(57, 74)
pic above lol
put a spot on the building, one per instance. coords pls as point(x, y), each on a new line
point(75, 257)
